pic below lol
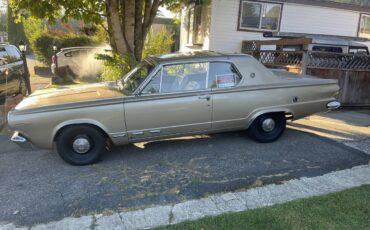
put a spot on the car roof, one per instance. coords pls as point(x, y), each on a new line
point(193, 56)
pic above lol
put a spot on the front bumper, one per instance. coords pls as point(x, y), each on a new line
point(21, 141)
point(333, 105)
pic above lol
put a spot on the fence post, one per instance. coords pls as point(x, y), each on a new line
point(304, 62)
point(344, 96)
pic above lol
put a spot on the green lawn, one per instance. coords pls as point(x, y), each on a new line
point(349, 209)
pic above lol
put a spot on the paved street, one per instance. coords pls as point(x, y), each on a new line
point(38, 187)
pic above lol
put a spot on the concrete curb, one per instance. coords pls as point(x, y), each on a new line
point(216, 204)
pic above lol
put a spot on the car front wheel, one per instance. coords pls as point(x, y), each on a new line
point(81, 145)
point(267, 127)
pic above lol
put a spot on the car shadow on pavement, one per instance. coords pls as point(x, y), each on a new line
point(39, 187)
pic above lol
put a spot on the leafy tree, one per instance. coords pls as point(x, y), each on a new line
point(3, 21)
point(128, 21)
point(33, 28)
point(15, 30)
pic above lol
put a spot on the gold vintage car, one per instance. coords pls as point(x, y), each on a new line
point(168, 96)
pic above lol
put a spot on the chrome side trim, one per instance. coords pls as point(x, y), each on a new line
point(118, 135)
point(137, 133)
point(155, 131)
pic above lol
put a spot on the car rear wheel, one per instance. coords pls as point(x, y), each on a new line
point(81, 145)
point(267, 127)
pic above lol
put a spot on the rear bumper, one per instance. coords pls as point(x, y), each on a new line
point(333, 105)
point(21, 141)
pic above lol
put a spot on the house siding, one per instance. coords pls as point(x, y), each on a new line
point(296, 18)
point(319, 20)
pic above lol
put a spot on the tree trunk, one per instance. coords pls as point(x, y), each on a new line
point(129, 22)
point(128, 17)
point(115, 26)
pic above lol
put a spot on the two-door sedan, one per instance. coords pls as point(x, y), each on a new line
point(169, 96)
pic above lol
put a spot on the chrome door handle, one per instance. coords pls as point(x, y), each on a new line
point(205, 97)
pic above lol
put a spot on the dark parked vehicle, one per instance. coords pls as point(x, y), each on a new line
point(11, 72)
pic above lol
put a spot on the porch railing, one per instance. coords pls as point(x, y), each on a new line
point(312, 59)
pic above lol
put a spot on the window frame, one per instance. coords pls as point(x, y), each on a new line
point(207, 89)
point(192, 31)
point(250, 29)
point(359, 23)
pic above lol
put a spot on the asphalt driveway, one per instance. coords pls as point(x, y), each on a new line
point(37, 186)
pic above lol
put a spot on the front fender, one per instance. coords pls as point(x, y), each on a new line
point(79, 122)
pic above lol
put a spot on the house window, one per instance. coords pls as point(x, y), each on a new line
point(261, 16)
point(196, 23)
point(364, 31)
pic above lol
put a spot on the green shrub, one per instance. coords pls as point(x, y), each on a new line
point(158, 43)
point(116, 66)
point(42, 48)
point(34, 28)
point(43, 45)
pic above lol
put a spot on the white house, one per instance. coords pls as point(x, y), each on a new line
point(222, 25)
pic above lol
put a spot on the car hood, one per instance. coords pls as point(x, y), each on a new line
point(71, 95)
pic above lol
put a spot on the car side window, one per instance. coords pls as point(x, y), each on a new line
point(223, 75)
point(184, 77)
point(179, 78)
point(13, 54)
point(154, 85)
point(3, 56)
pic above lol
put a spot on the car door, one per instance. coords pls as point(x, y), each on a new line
point(229, 103)
point(3, 71)
point(176, 101)
point(15, 70)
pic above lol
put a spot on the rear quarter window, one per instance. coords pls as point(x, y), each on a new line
point(223, 75)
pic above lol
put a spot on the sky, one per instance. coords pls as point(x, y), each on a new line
point(3, 5)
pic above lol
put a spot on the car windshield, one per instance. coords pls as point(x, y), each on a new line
point(135, 77)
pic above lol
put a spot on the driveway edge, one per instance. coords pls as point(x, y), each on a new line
point(216, 204)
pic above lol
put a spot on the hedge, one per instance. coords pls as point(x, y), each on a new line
point(44, 45)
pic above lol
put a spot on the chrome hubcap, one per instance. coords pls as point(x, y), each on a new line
point(81, 145)
point(268, 125)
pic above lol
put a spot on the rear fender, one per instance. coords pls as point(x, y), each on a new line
point(262, 111)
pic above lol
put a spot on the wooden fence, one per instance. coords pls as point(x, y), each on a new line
point(354, 85)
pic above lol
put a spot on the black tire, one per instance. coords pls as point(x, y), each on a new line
point(257, 132)
point(68, 136)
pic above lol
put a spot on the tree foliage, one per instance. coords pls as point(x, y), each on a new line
point(3, 21)
point(15, 30)
point(128, 21)
point(116, 65)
